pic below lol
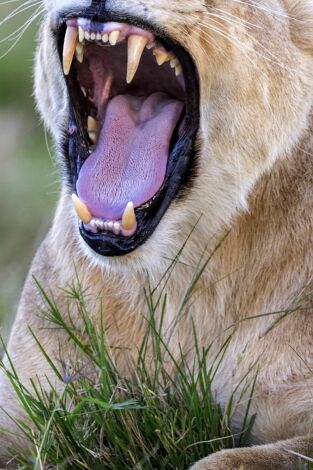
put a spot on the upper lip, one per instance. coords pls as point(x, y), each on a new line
point(181, 156)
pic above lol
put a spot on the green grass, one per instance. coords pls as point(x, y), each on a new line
point(151, 420)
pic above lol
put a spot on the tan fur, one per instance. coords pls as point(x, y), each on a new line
point(255, 64)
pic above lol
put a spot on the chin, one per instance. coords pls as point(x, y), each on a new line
point(150, 258)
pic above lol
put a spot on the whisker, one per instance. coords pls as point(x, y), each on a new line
point(267, 54)
point(21, 9)
point(262, 8)
point(232, 39)
point(19, 33)
point(232, 19)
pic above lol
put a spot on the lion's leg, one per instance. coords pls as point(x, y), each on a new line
point(29, 363)
point(11, 437)
point(277, 456)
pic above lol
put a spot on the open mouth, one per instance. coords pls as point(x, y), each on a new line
point(134, 120)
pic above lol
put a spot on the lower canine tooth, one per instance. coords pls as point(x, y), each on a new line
point(113, 37)
point(136, 46)
point(129, 217)
point(69, 47)
point(81, 209)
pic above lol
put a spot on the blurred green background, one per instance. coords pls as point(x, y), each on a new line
point(28, 177)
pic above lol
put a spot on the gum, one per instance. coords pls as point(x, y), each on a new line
point(107, 28)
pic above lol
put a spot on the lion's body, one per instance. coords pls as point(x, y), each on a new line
point(254, 187)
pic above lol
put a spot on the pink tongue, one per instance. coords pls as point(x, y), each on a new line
point(130, 160)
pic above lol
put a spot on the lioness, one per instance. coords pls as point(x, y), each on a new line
point(170, 116)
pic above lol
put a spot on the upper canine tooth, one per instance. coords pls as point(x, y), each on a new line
point(93, 124)
point(114, 37)
point(136, 45)
point(93, 136)
point(161, 56)
point(93, 128)
point(129, 217)
point(81, 209)
point(70, 42)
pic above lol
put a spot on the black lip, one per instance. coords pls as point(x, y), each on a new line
point(182, 166)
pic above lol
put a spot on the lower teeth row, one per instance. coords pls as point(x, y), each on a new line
point(114, 227)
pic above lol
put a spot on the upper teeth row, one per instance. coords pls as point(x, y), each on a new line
point(76, 36)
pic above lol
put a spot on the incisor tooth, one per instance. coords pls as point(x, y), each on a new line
point(136, 45)
point(69, 47)
point(113, 37)
point(93, 223)
point(129, 217)
point(81, 34)
point(116, 228)
point(81, 209)
point(105, 38)
point(80, 52)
